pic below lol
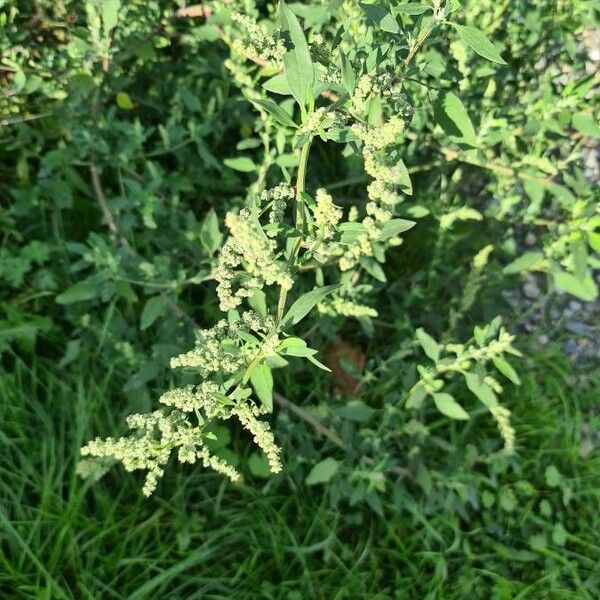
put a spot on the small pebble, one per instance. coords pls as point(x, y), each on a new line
point(530, 239)
point(531, 290)
point(578, 328)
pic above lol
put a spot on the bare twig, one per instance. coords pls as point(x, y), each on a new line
point(112, 226)
point(308, 418)
point(101, 198)
point(328, 433)
point(15, 120)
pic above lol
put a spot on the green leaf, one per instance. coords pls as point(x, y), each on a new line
point(323, 472)
point(355, 410)
point(475, 39)
point(506, 369)
point(429, 345)
point(303, 305)
point(452, 116)
point(395, 227)
point(403, 179)
point(83, 290)
point(277, 112)
point(240, 163)
point(415, 400)
point(586, 124)
point(259, 466)
point(373, 268)
point(124, 101)
point(258, 301)
point(300, 86)
point(318, 364)
point(448, 406)
point(262, 382)
point(210, 234)
point(559, 534)
point(294, 346)
point(413, 8)
point(526, 262)
point(71, 353)
point(298, 65)
point(594, 241)
point(389, 24)
point(585, 289)
point(154, 308)
point(110, 14)
point(378, 15)
point(348, 76)
point(278, 84)
point(553, 476)
point(481, 389)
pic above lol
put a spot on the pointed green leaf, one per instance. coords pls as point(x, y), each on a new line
point(298, 65)
point(451, 114)
point(586, 124)
point(475, 39)
point(584, 289)
point(154, 308)
point(448, 406)
point(277, 112)
point(525, 262)
point(395, 227)
point(506, 369)
point(210, 234)
point(301, 307)
point(278, 84)
point(481, 389)
point(240, 163)
point(348, 76)
point(429, 345)
point(262, 382)
point(83, 290)
point(323, 471)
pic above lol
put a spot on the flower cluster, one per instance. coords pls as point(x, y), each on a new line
point(219, 350)
point(155, 436)
point(210, 354)
point(192, 398)
point(262, 435)
point(502, 416)
point(247, 261)
point(313, 122)
point(491, 343)
point(326, 214)
point(257, 44)
point(382, 164)
point(278, 198)
point(346, 308)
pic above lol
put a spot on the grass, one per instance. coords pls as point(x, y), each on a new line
point(200, 537)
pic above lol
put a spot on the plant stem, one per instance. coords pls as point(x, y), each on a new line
point(298, 220)
point(300, 184)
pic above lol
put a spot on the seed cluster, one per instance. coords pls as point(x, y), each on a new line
point(248, 261)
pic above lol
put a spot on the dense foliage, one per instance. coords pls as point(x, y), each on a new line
point(314, 213)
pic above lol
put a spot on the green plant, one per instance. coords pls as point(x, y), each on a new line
point(235, 358)
point(149, 159)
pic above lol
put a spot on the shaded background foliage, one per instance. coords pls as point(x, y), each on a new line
point(112, 185)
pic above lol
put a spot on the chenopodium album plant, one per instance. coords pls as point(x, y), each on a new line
point(284, 231)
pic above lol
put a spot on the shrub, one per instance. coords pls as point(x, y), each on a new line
point(337, 169)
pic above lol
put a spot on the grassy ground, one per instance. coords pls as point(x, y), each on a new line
point(200, 537)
